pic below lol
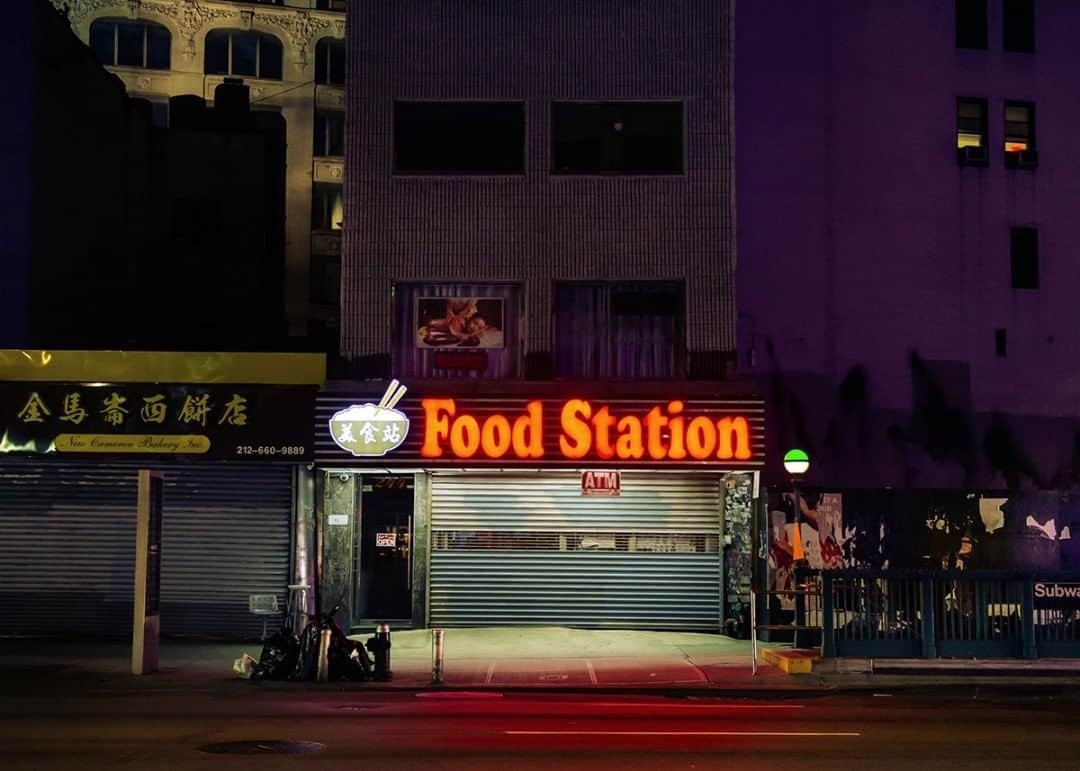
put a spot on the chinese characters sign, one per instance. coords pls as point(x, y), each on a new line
point(213, 421)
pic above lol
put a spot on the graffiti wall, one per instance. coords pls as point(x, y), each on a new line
point(925, 529)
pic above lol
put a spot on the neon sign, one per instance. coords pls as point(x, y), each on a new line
point(586, 430)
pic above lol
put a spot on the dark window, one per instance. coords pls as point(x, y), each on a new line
point(329, 133)
point(970, 123)
point(1000, 342)
point(325, 279)
point(1024, 256)
point(159, 114)
point(330, 62)
point(459, 138)
point(327, 207)
point(123, 43)
point(331, 5)
point(245, 54)
point(1019, 126)
point(971, 23)
point(617, 137)
point(632, 330)
point(1018, 22)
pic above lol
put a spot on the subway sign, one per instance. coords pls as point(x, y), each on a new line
point(580, 431)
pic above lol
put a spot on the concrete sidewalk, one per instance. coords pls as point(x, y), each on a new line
point(545, 658)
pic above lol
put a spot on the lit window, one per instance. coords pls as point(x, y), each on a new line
point(327, 207)
point(330, 62)
point(970, 122)
point(243, 54)
point(121, 43)
point(1019, 127)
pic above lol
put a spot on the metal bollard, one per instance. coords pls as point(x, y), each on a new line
point(323, 674)
point(437, 656)
point(379, 645)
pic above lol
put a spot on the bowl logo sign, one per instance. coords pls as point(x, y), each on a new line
point(372, 430)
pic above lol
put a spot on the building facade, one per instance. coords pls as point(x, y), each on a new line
point(539, 251)
point(290, 53)
point(905, 291)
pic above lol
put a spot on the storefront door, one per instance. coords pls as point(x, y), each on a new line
point(384, 588)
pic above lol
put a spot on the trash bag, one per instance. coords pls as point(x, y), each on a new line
point(278, 659)
point(246, 667)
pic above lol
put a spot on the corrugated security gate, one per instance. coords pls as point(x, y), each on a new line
point(529, 548)
point(68, 535)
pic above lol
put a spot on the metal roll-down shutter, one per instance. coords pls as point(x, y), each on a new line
point(531, 549)
point(68, 535)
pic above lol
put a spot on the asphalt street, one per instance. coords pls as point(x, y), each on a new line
point(93, 725)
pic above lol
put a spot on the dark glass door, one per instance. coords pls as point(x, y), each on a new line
point(385, 574)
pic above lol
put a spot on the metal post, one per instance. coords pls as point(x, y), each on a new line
point(753, 630)
point(1028, 619)
point(437, 655)
point(828, 643)
point(929, 603)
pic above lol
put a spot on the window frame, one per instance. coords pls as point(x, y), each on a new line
point(328, 44)
point(980, 41)
point(144, 27)
point(325, 134)
point(984, 110)
point(395, 168)
point(554, 171)
point(1031, 143)
point(1013, 43)
point(318, 188)
point(229, 33)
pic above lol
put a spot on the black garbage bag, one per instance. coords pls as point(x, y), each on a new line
point(278, 658)
point(306, 666)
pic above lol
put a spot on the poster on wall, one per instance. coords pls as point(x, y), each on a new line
point(459, 322)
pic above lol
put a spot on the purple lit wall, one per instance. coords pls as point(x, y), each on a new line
point(861, 240)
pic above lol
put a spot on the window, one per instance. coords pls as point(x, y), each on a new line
point(330, 62)
point(617, 137)
point(970, 123)
point(325, 279)
point(243, 54)
point(1000, 343)
point(459, 137)
point(1019, 127)
point(971, 24)
point(122, 43)
point(327, 207)
point(1024, 257)
point(631, 329)
point(159, 114)
point(331, 5)
point(329, 133)
point(1018, 22)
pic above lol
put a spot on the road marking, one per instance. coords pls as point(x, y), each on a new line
point(691, 706)
point(682, 733)
point(592, 672)
point(490, 674)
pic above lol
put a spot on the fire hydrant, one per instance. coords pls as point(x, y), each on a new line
point(379, 645)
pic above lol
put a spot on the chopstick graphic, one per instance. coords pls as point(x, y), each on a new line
point(396, 397)
point(389, 392)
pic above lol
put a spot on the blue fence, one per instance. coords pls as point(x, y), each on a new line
point(959, 614)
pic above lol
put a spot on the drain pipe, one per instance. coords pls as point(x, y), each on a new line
point(437, 649)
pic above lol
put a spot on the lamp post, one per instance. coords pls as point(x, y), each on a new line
point(796, 464)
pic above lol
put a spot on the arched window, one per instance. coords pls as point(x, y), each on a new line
point(123, 43)
point(330, 62)
point(247, 54)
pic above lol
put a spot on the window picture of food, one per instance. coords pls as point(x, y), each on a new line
point(459, 322)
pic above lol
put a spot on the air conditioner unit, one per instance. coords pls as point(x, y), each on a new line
point(972, 156)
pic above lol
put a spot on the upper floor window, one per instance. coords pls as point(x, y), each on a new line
point(619, 329)
point(327, 207)
point(617, 137)
point(244, 54)
point(331, 5)
point(971, 136)
point(330, 62)
point(971, 24)
point(1024, 257)
point(1018, 25)
point(459, 137)
point(118, 42)
point(1020, 151)
point(329, 133)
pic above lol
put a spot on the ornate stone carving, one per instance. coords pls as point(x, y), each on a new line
point(300, 26)
point(76, 10)
point(191, 17)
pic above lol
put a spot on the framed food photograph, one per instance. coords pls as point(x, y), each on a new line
point(459, 322)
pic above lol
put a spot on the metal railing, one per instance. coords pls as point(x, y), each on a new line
point(982, 614)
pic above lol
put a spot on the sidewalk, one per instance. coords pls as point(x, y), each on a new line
point(544, 658)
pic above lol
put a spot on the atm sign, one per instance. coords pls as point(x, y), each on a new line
point(601, 482)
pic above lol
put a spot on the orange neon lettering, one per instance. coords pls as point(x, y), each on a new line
point(701, 438)
point(495, 436)
point(574, 414)
point(465, 436)
point(528, 433)
point(603, 422)
point(678, 431)
point(628, 446)
point(436, 425)
point(655, 423)
point(740, 430)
